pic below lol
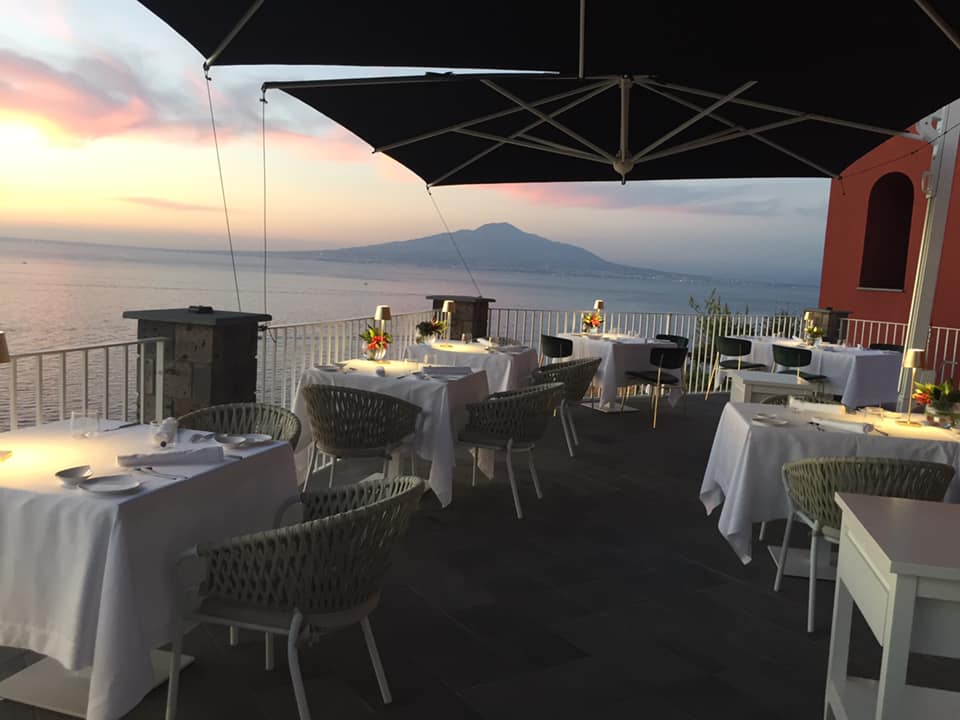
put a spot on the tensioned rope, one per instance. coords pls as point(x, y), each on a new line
point(454, 242)
point(223, 190)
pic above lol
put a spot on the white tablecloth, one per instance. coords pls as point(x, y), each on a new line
point(861, 377)
point(743, 472)
point(508, 370)
point(618, 354)
point(88, 579)
point(443, 404)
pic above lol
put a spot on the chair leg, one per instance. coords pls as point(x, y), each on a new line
point(173, 683)
point(476, 461)
point(783, 553)
point(311, 459)
point(375, 659)
point(513, 480)
point(763, 531)
point(533, 474)
point(269, 659)
point(812, 588)
point(656, 404)
point(386, 469)
point(234, 636)
point(712, 375)
point(566, 430)
point(293, 660)
point(573, 428)
point(333, 467)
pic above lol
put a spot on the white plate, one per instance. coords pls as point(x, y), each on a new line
point(254, 439)
point(109, 484)
point(230, 441)
point(69, 477)
point(770, 420)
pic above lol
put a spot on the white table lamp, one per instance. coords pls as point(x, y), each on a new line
point(447, 311)
point(912, 358)
point(4, 358)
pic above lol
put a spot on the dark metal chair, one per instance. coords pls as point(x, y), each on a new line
point(662, 359)
point(886, 346)
point(555, 348)
point(679, 340)
point(734, 349)
point(794, 358)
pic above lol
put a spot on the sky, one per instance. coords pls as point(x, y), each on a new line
point(105, 136)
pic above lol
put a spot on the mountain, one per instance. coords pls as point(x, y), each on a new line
point(496, 246)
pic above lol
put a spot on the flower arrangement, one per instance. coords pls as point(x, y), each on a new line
point(431, 328)
point(940, 397)
point(592, 320)
point(377, 342)
point(814, 331)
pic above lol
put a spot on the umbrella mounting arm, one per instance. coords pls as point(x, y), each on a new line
point(951, 33)
point(232, 34)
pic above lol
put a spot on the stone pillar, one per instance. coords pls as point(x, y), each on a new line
point(210, 358)
point(469, 315)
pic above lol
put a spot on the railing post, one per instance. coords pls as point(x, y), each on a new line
point(13, 393)
point(158, 403)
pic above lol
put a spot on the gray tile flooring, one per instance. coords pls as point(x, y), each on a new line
point(615, 597)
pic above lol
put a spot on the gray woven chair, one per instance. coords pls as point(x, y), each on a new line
point(812, 483)
point(240, 418)
point(511, 421)
point(351, 423)
point(308, 579)
point(576, 376)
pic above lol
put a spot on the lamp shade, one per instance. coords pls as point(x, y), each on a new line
point(448, 306)
point(382, 312)
point(4, 351)
point(598, 304)
point(913, 358)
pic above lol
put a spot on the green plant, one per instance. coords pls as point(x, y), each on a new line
point(428, 328)
point(376, 339)
point(941, 396)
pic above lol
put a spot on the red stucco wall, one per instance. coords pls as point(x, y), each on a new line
point(846, 224)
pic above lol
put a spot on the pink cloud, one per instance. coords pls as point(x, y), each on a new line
point(170, 204)
point(557, 195)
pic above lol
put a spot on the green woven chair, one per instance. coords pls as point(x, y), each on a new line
point(811, 484)
point(304, 580)
point(734, 349)
point(352, 423)
point(240, 418)
point(511, 421)
point(576, 376)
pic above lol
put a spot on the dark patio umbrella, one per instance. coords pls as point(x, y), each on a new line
point(816, 39)
point(469, 129)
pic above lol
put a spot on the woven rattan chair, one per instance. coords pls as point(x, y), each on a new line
point(308, 579)
point(576, 376)
point(511, 421)
point(734, 349)
point(812, 483)
point(351, 423)
point(240, 418)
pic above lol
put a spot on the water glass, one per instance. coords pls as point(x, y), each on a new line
point(466, 337)
point(85, 423)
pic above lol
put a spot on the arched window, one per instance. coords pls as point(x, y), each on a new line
point(887, 238)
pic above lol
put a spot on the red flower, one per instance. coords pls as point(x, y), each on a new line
point(922, 398)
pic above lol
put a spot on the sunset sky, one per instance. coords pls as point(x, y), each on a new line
point(105, 137)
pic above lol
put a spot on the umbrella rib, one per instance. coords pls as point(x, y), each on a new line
point(500, 141)
point(695, 119)
point(546, 118)
point(233, 33)
point(532, 143)
point(719, 137)
point(603, 85)
point(786, 111)
point(746, 131)
point(952, 35)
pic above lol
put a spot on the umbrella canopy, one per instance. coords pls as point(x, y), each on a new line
point(470, 129)
point(815, 38)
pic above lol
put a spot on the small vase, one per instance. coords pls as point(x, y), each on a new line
point(377, 355)
point(431, 339)
point(945, 415)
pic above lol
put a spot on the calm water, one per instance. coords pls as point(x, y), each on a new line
point(64, 294)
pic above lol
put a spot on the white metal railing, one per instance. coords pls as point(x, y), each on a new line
point(287, 349)
point(942, 351)
point(48, 385)
point(526, 326)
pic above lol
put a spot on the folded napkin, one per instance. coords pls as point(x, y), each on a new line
point(843, 425)
point(485, 342)
point(196, 456)
point(438, 370)
point(819, 408)
point(166, 433)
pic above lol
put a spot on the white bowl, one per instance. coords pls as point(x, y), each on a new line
point(230, 440)
point(71, 477)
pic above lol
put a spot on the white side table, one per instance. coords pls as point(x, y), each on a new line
point(755, 385)
point(899, 564)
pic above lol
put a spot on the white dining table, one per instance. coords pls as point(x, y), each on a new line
point(860, 377)
point(507, 368)
point(88, 580)
point(443, 403)
point(618, 354)
point(743, 478)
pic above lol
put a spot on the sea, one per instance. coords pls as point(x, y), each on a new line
point(66, 294)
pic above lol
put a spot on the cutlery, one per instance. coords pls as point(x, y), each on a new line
point(202, 437)
point(120, 427)
point(148, 470)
